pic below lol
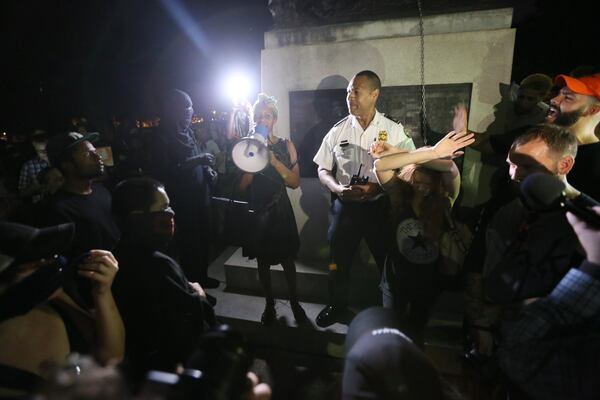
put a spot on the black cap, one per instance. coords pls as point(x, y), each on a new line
point(383, 363)
point(22, 243)
point(59, 145)
point(38, 135)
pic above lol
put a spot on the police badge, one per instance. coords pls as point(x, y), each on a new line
point(382, 136)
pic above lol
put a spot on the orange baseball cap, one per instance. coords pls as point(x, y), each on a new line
point(586, 85)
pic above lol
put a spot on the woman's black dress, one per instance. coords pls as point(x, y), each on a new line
point(273, 232)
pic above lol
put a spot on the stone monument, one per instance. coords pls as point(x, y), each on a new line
point(317, 46)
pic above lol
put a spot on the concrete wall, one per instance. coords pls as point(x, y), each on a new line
point(472, 47)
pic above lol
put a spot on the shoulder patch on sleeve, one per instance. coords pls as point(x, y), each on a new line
point(394, 119)
point(341, 120)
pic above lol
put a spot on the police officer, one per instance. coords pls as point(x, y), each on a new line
point(359, 206)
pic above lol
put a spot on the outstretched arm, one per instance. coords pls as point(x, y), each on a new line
point(447, 147)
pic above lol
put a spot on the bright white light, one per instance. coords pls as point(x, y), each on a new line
point(237, 87)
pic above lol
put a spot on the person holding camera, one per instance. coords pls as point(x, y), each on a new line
point(275, 237)
point(359, 206)
point(40, 324)
point(550, 351)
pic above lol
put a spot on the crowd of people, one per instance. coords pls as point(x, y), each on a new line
point(112, 260)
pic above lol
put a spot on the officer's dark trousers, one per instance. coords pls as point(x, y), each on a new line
point(350, 223)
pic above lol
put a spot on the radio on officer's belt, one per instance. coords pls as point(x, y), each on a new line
point(357, 179)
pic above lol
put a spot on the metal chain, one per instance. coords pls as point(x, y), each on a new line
point(423, 105)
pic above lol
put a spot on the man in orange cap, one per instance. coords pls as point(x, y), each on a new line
point(576, 107)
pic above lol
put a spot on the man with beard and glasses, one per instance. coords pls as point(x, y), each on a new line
point(81, 200)
point(577, 109)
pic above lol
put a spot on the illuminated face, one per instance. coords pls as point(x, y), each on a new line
point(265, 116)
point(86, 161)
point(161, 201)
point(360, 97)
point(567, 107)
point(165, 223)
point(534, 156)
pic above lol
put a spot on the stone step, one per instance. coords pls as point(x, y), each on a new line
point(242, 309)
point(241, 276)
point(243, 313)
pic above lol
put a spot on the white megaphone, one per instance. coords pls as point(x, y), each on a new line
point(251, 153)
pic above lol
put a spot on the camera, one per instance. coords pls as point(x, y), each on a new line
point(76, 286)
point(216, 371)
point(50, 274)
point(357, 179)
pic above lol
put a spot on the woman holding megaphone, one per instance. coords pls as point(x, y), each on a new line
point(274, 238)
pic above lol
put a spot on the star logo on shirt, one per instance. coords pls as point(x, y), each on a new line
point(418, 241)
point(412, 243)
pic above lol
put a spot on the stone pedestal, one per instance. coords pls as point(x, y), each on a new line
point(468, 47)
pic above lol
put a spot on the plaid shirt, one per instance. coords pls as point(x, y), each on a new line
point(555, 337)
point(29, 171)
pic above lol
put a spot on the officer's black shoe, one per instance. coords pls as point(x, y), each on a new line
point(329, 316)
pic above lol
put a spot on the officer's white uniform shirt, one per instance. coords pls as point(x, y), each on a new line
point(347, 145)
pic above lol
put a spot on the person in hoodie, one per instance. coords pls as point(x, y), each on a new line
point(175, 159)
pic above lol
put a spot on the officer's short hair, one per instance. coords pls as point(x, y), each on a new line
point(374, 80)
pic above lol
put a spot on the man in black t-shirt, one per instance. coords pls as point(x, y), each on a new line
point(86, 204)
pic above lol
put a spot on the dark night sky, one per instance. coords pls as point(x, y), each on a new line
point(96, 57)
point(65, 57)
